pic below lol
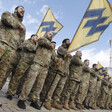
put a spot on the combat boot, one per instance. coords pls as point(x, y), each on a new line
point(56, 105)
point(21, 104)
point(47, 105)
point(35, 105)
point(92, 106)
point(65, 105)
point(96, 106)
point(107, 108)
point(71, 105)
point(9, 97)
point(80, 106)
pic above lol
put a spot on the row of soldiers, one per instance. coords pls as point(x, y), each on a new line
point(37, 72)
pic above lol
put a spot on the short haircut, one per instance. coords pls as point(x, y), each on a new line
point(53, 42)
point(64, 41)
point(18, 7)
point(86, 60)
point(77, 52)
point(33, 35)
point(94, 65)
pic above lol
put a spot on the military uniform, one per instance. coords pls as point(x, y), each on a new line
point(84, 85)
point(54, 67)
point(108, 101)
point(92, 85)
point(62, 50)
point(38, 70)
point(110, 104)
point(104, 93)
point(29, 50)
point(10, 39)
point(74, 79)
point(97, 91)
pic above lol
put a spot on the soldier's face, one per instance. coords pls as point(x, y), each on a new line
point(79, 54)
point(100, 71)
point(50, 36)
point(96, 67)
point(86, 63)
point(20, 12)
point(106, 77)
point(35, 38)
point(53, 45)
point(68, 42)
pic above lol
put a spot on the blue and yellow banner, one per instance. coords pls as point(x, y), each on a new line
point(95, 21)
point(49, 24)
point(104, 71)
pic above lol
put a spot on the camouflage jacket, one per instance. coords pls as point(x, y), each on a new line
point(85, 74)
point(29, 50)
point(62, 53)
point(95, 73)
point(9, 30)
point(110, 89)
point(44, 53)
point(104, 85)
point(56, 65)
point(76, 67)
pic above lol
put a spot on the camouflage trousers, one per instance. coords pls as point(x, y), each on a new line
point(64, 90)
point(90, 96)
point(71, 90)
point(53, 87)
point(82, 91)
point(103, 98)
point(108, 101)
point(35, 78)
point(20, 70)
point(21, 82)
point(97, 92)
point(48, 81)
point(59, 88)
point(11, 69)
point(6, 56)
point(111, 102)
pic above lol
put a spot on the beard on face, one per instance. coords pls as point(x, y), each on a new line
point(19, 15)
point(67, 45)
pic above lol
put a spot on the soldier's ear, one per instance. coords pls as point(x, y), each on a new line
point(15, 11)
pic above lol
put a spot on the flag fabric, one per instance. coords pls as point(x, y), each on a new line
point(95, 21)
point(49, 24)
point(104, 71)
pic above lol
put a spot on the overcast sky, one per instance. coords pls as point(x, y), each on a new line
point(69, 13)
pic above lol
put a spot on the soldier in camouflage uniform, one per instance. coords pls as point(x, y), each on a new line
point(55, 69)
point(74, 80)
point(92, 85)
point(84, 85)
point(97, 89)
point(50, 75)
point(61, 78)
point(108, 101)
point(12, 35)
point(38, 72)
point(29, 50)
point(104, 92)
point(110, 92)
